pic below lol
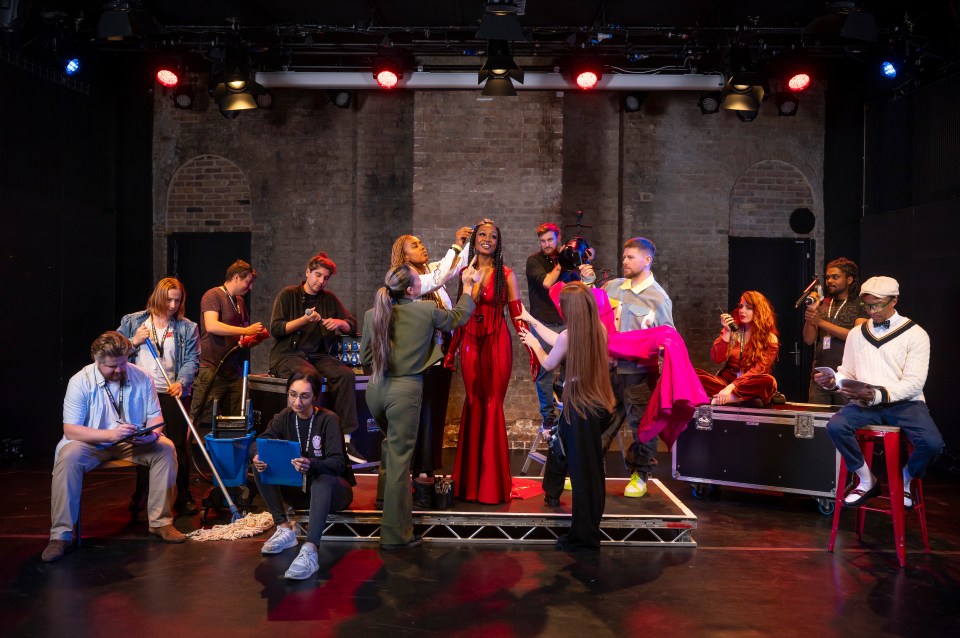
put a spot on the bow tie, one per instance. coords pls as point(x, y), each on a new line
point(881, 324)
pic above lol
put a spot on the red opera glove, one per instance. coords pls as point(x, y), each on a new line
point(450, 359)
point(515, 309)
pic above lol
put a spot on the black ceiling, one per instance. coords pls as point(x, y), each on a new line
point(642, 34)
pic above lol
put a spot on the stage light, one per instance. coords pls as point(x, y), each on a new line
point(586, 80)
point(234, 90)
point(787, 104)
point(633, 102)
point(387, 71)
point(168, 77)
point(709, 102)
point(500, 22)
point(889, 69)
point(743, 90)
point(342, 99)
point(183, 97)
point(72, 66)
point(499, 71)
point(121, 20)
point(799, 81)
point(264, 99)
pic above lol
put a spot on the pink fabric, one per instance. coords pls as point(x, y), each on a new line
point(678, 391)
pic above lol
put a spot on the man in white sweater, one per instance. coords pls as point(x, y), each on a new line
point(889, 355)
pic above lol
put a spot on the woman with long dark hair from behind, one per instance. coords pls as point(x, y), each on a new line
point(399, 345)
point(747, 347)
point(587, 401)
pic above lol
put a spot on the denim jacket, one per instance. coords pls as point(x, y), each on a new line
point(186, 360)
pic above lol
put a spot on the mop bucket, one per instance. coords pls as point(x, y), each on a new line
point(231, 457)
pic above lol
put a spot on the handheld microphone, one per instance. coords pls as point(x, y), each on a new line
point(806, 291)
point(248, 341)
point(732, 325)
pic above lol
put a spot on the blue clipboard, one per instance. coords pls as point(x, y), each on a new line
point(277, 455)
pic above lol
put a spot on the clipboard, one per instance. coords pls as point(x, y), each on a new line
point(277, 454)
point(136, 433)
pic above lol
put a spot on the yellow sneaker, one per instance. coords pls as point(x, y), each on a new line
point(567, 485)
point(636, 488)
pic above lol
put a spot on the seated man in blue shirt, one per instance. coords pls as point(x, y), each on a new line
point(108, 401)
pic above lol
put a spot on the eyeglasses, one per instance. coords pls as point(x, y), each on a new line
point(305, 397)
point(875, 307)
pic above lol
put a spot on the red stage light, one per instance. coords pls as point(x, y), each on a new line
point(586, 80)
point(167, 77)
point(387, 79)
point(799, 81)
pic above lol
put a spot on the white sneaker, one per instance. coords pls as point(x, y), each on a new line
point(282, 539)
point(304, 565)
point(636, 488)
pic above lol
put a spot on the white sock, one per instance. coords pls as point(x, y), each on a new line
point(867, 479)
point(906, 480)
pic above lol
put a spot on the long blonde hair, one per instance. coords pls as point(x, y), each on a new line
point(396, 282)
point(587, 384)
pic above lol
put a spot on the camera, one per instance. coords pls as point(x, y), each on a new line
point(573, 254)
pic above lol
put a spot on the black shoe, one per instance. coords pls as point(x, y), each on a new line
point(551, 501)
point(353, 455)
point(862, 496)
point(416, 542)
point(186, 508)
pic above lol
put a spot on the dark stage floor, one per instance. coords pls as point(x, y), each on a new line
point(760, 569)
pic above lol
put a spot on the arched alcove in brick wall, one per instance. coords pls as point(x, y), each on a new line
point(208, 193)
point(763, 197)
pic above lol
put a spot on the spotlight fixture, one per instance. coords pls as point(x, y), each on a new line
point(387, 71)
point(788, 103)
point(709, 102)
point(747, 116)
point(168, 76)
point(499, 71)
point(264, 99)
point(183, 97)
point(586, 74)
point(743, 90)
point(342, 99)
point(633, 102)
point(888, 69)
point(799, 81)
point(71, 66)
point(234, 90)
point(500, 21)
point(125, 19)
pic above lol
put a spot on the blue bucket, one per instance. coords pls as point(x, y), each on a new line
point(230, 456)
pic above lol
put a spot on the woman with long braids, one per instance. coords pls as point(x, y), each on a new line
point(747, 347)
point(587, 403)
point(482, 469)
point(427, 455)
point(399, 345)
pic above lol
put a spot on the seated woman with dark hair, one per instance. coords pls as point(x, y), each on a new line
point(747, 347)
point(321, 461)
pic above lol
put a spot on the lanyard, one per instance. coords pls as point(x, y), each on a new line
point(296, 423)
point(156, 338)
point(233, 302)
point(117, 406)
point(834, 319)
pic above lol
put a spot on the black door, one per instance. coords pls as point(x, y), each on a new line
point(200, 261)
point(780, 268)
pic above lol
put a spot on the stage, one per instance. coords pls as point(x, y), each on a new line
point(659, 518)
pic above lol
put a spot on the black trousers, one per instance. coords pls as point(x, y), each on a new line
point(340, 380)
point(176, 429)
point(632, 392)
point(326, 493)
point(428, 453)
point(581, 438)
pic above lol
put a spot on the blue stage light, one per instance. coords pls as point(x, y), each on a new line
point(889, 70)
point(72, 66)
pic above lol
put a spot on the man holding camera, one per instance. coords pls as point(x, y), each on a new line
point(829, 321)
point(544, 269)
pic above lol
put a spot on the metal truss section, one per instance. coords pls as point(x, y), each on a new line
point(459, 527)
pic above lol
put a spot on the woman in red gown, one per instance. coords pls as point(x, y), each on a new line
point(482, 469)
point(747, 347)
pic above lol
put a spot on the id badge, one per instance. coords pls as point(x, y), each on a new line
point(826, 342)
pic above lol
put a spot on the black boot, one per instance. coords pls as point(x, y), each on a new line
point(423, 493)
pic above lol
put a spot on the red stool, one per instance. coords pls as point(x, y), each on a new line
point(890, 438)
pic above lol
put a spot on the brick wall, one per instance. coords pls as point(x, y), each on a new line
point(307, 176)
